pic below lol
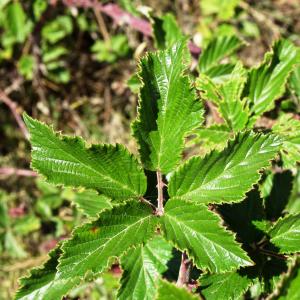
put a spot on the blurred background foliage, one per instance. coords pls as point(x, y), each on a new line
point(73, 64)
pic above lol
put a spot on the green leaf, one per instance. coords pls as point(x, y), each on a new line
point(172, 30)
point(166, 31)
point(91, 203)
point(227, 286)
point(130, 7)
point(42, 283)
point(168, 108)
point(285, 234)
point(227, 96)
point(295, 81)
point(227, 175)
point(26, 66)
point(51, 53)
point(216, 50)
point(220, 73)
point(12, 246)
point(267, 82)
point(4, 217)
point(232, 108)
point(39, 7)
point(65, 160)
point(224, 9)
point(142, 267)
point(112, 49)
point(57, 29)
point(93, 246)
point(208, 90)
point(196, 230)
point(291, 289)
point(16, 19)
point(134, 83)
point(169, 291)
point(26, 224)
point(293, 205)
point(289, 129)
point(212, 137)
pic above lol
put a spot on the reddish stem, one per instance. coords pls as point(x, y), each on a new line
point(121, 17)
point(7, 171)
point(184, 271)
point(15, 111)
point(160, 194)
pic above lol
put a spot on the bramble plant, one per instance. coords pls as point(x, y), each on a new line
point(183, 228)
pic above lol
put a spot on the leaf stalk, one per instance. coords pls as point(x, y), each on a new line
point(184, 271)
point(160, 195)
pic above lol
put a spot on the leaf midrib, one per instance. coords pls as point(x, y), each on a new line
point(141, 221)
point(178, 221)
point(62, 146)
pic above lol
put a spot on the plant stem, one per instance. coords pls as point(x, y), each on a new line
point(15, 111)
point(121, 17)
point(160, 195)
point(101, 24)
point(142, 199)
point(294, 264)
point(184, 271)
point(7, 171)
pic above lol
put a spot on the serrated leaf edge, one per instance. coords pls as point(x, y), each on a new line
point(230, 140)
point(221, 225)
point(84, 144)
point(139, 106)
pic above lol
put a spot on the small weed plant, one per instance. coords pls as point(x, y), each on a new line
point(202, 212)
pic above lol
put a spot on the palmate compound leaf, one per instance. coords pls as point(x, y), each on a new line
point(43, 283)
point(216, 50)
point(142, 267)
point(227, 286)
point(111, 170)
point(168, 108)
point(223, 177)
point(169, 291)
point(195, 229)
point(227, 96)
point(93, 246)
point(285, 234)
point(267, 82)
